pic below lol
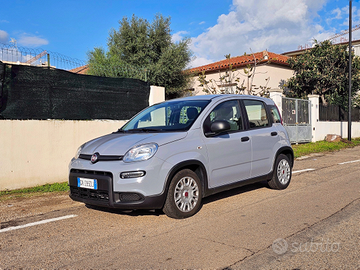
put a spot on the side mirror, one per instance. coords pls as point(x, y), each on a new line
point(218, 126)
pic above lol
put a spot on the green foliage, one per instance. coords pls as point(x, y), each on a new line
point(323, 70)
point(144, 50)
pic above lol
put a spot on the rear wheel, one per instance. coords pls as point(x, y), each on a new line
point(184, 196)
point(282, 173)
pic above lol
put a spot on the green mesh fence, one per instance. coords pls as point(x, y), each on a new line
point(41, 93)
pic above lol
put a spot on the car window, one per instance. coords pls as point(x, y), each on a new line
point(256, 113)
point(166, 116)
point(228, 111)
point(275, 114)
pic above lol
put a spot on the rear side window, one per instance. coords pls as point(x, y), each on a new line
point(275, 114)
point(256, 113)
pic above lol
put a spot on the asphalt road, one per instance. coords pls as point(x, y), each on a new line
point(312, 224)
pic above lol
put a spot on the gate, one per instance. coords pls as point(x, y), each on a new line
point(296, 118)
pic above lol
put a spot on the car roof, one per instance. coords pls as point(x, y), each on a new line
point(224, 96)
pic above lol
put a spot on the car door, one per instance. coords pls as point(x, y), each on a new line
point(263, 137)
point(229, 153)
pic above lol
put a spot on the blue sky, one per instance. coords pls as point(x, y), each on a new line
point(216, 28)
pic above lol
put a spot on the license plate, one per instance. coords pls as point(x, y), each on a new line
point(87, 183)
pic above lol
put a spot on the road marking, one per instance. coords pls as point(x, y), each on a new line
point(347, 162)
point(305, 170)
point(36, 223)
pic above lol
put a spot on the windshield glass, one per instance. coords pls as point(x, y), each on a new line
point(176, 115)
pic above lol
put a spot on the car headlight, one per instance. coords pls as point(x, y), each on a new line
point(78, 151)
point(141, 152)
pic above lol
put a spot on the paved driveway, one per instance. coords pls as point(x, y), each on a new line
point(252, 227)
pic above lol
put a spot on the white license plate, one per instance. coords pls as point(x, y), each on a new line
point(87, 183)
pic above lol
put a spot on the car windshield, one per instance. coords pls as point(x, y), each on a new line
point(175, 115)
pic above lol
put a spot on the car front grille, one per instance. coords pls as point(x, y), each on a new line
point(98, 195)
point(104, 185)
point(101, 157)
point(89, 173)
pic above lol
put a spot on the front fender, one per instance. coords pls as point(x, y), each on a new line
point(194, 164)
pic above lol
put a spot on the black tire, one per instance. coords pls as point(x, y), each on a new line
point(184, 196)
point(282, 173)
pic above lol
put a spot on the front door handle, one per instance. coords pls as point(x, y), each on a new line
point(274, 133)
point(245, 139)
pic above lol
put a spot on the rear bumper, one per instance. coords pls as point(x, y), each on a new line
point(104, 195)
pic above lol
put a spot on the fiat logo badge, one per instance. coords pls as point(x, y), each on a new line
point(94, 158)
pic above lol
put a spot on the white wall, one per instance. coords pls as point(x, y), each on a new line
point(275, 73)
point(38, 152)
point(34, 152)
point(338, 128)
point(322, 128)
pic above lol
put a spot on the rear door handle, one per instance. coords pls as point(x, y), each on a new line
point(245, 139)
point(274, 133)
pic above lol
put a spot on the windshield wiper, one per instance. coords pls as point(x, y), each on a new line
point(144, 129)
point(120, 131)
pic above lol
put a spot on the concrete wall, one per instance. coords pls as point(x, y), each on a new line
point(338, 128)
point(38, 152)
point(321, 128)
point(34, 152)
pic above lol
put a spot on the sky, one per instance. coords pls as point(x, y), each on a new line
point(215, 27)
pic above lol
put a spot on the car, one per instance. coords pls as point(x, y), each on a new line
point(171, 155)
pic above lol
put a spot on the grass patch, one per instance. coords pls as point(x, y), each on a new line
point(38, 189)
point(323, 146)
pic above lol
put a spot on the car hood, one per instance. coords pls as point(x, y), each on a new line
point(119, 143)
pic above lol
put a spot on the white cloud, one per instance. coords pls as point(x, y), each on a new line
point(273, 25)
point(203, 22)
point(178, 36)
point(198, 61)
point(28, 40)
point(338, 14)
point(4, 37)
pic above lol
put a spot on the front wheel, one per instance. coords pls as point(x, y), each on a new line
point(184, 195)
point(282, 173)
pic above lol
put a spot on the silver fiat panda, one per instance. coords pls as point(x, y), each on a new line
point(173, 154)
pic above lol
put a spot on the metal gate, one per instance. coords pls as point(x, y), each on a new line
point(296, 118)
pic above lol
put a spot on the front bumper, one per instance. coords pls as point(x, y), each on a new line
point(105, 196)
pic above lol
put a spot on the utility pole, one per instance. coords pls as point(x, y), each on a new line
point(350, 56)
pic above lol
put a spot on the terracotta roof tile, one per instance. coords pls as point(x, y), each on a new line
point(80, 70)
point(241, 61)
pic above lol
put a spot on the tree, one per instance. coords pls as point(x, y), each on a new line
point(144, 50)
point(231, 81)
point(324, 70)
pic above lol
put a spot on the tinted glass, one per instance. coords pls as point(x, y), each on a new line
point(275, 114)
point(229, 111)
point(256, 113)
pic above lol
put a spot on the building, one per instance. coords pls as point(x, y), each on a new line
point(355, 45)
point(80, 70)
point(270, 70)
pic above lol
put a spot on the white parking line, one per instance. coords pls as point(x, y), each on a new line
point(36, 223)
point(305, 170)
point(349, 162)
